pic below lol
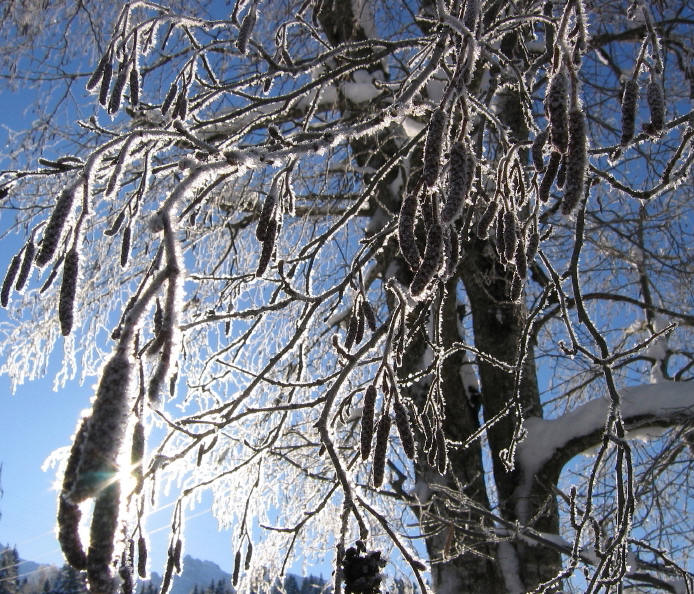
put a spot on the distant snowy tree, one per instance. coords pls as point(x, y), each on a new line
point(9, 570)
point(410, 278)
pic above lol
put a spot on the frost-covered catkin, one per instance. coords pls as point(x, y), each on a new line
point(134, 86)
point(516, 288)
point(268, 246)
point(101, 539)
point(432, 147)
point(12, 271)
point(441, 451)
point(105, 430)
point(54, 227)
point(137, 452)
point(402, 422)
point(118, 86)
point(472, 9)
point(381, 448)
point(459, 181)
point(367, 421)
point(656, 105)
point(575, 162)
point(510, 237)
point(265, 215)
point(406, 236)
point(431, 261)
point(533, 245)
point(557, 107)
point(548, 177)
point(105, 83)
point(169, 98)
point(98, 74)
point(249, 556)
point(487, 219)
point(561, 173)
point(520, 259)
point(27, 261)
point(369, 314)
point(246, 29)
point(359, 336)
point(537, 150)
point(237, 568)
point(69, 516)
point(451, 251)
point(177, 550)
point(180, 110)
point(142, 557)
point(125, 247)
point(68, 289)
point(629, 104)
point(351, 331)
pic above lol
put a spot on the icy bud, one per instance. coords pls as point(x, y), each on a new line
point(432, 147)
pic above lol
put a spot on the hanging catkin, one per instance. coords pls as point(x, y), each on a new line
point(575, 161)
point(548, 177)
point(629, 104)
point(459, 181)
point(537, 150)
point(68, 289)
point(265, 215)
point(98, 74)
point(656, 105)
point(441, 451)
point(268, 246)
point(430, 262)
point(380, 449)
point(432, 147)
point(105, 83)
point(246, 29)
point(134, 86)
point(27, 261)
point(137, 452)
point(142, 557)
point(487, 219)
point(402, 422)
point(54, 227)
point(169, 98)
point(406, 236)
point(367, 421)
point(533, 244)
point(557, 107)
point(101, 537)
point(520, 259)
point(125, 247)
point(369, 314)
point(9, 279)
point(118, 86)
point(510, 237)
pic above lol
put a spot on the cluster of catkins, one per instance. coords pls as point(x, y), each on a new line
point(361, 570)
point(402, 422)
point(656, 106)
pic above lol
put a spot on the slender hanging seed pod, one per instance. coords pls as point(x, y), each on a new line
point(351, 331)
point(458, 183)
point(360, 325)
point(656, 105)
point(537, 149)
point(369, 314)
point(178, 548)
point(119, 85)
point(402, 422)
point(380, 449)
point(137, 452)
point(249, 555)
point(181, 108)
point(520, 259)
point(533, 244)
point(246, 29)
point(548, 177)
point(367, 421)
point(430, 262)
point(113, 229)
point(98, 74)
point(102, 533)
point(142, 557)
point(67, 291)
point(629, 104)
point(69, 516)
point(265, 215)
point(432, 147)
point(9, 280)
point(441, 452)
point(134, 86)
point(170, 96)
point(105, 84)
point(557, 106)
point(406, 236)
point(27, 261)
point(561, 173)
point(487, 219)
point(268, 246)
point(54, 227)
point(500, 239)
point(575, 161)
point(516, 287)
point(237, 568)
point(125, 247)
point(510, 237)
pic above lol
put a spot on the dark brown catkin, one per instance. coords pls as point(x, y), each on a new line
point(98, 74)
point(68, 289)
point(178, 548)
point(656, 105)
point(12, 271)
point(510, 236)
point(537, 150)
point(54, 227)
point(265, 215)
point(561, 173)
point(351, 331)
point(113, 229)
point(406, 225)
point(249, 556)
point(575, 162)
point(367, 421)
point(432, 147)
point(500, 239)
point(381, 448)
point(487, 219)
point(358, 337)
point(134, 86)
point(548, 177)
point(125, 247)
point(268, 246)
point(369, 314)
point(27, 261)
point(119, 85)
point(246, 29)
point(237, 568)
point(557, 106)
point(170, 96)
point(69, 516)
point(402, 422)
point(520, 259)
point(180, 109)
point(168, 573)
point(105, 84)
point(142, 557)
point(431, 261)
point(533, 244)
point(137, 451)
point(516, 287)
point(458, 183)
point(629, 103)
point(101, 541)
point(451, 251)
